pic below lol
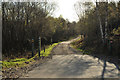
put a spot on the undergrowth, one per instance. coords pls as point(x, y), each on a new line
point(20, 62)
point(78, 44)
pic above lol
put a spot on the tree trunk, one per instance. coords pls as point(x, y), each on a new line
point(106, 22)
point(99, 19)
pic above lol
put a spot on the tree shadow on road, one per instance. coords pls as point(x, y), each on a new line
point(105, 60)
point(104, 69)
point(74, 51)
point(76, 68)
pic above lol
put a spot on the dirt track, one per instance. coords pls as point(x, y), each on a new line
point(69, 63)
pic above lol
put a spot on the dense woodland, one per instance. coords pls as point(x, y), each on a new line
point(100, 24)
point(22, 22)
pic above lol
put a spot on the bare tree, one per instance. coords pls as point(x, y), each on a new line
point(79, 8)
point(100, 23)
point(106, 21)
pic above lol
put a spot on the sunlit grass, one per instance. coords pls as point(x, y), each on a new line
point(20, 62)
point(77, 45)
point(81, 50)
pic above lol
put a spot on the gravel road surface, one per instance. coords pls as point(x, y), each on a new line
point(69, 63)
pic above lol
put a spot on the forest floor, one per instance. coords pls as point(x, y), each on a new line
point(68, 62)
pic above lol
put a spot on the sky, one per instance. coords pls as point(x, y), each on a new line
point(66, 9)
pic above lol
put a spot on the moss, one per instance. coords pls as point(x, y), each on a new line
point(20, 62)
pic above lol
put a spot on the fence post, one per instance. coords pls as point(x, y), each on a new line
point(32, 47)
point(44, 47)
point(39, 46)
point(51, 40)
point(44, 51)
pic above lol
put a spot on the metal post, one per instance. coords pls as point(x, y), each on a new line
point(32, 47)
point(39, 46)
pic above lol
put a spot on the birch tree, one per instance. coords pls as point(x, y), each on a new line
point(100, 23)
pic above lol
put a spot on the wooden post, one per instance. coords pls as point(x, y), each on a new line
point(39, 46)
point(44, 51)
point(44, 47)
point(32, 47)
point(111, 47)
point(51, 41)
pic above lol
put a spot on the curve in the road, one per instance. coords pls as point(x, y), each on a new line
point(72, 65)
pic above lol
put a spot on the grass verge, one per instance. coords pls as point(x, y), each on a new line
point(21, 62)
point(77, 44)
